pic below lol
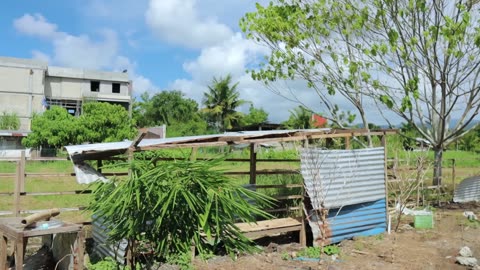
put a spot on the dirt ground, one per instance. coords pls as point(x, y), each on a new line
point(406, 249)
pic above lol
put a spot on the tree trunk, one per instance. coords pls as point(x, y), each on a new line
point(437, 166)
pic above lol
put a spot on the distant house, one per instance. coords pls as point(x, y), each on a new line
point(318, 121)
point(30, 86)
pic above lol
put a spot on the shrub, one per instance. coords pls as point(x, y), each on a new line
point(174, 204)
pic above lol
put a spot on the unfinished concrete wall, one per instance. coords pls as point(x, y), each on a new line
point(21, 88)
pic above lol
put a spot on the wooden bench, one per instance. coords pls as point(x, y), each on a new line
point(274, 226)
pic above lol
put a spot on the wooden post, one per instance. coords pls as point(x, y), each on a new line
point(384, 144)
point(453, 175)
point(22, 173)
point(253, 164)
point(3, 252)
point(193, 154)
point(99, 165)
point(78, 263)
point(303, 233)
point(347, 143)
point(16, 193)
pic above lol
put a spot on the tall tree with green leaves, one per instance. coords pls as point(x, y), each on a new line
point(104, 122)
point(300, 118)
point(255, 116)
point(53, 128)
point(419, 59)
point(171, 108)
point(9, 121)
point(221, 102)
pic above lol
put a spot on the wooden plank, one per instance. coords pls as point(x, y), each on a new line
point(74, 192)
point(64, 229)
point(279, 186)
point(287, 209)
point(268, 224)
point(232, 159)
point(288, 197)
point(265, 172)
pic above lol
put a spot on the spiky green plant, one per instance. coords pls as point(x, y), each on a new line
point(174, 204)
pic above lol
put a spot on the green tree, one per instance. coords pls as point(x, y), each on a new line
point(171, 108)
point(139, 110)
point(254, 116)
point(53, 128)
point(221, 102)
point(9, 121)
point(104, 122)
point(300, 118)
point(417, 58)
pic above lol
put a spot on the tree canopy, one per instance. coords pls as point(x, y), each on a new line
point(419, 59)
point(53, 128)
point(255, 116)
point(99, 122)
point(104, 122)
point(171, 108)
point(221, 102)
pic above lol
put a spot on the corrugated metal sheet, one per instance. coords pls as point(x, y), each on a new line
point(468, 190)
point(102, 247)
point(351, 185)
point(362, 219)
point(74, 150)
point(343, 177)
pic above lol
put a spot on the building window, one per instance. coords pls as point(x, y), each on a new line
point(116, 88)
point(95, 86)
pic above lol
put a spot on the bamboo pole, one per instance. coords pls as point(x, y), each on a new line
point(40, 216)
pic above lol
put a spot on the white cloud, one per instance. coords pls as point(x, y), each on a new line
point(81, 51)
point(41, 56)
point(35, 25)
point(231, 56)
point(178, 22)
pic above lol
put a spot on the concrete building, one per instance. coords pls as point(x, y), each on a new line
point(30, 86)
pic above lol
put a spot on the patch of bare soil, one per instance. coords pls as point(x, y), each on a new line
point(406, 249)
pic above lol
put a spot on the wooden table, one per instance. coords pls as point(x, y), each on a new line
point(12, 229)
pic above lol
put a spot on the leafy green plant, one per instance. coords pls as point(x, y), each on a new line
point(176, 204)
point(331, 250)
point(316, 252)
point(9, 121)
point(181, 259)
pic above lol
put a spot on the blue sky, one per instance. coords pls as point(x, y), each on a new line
point(164, 44)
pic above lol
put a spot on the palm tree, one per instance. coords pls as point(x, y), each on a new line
point(300, 117)
point(221, 102)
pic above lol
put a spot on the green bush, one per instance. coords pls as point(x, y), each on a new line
point(174, 204)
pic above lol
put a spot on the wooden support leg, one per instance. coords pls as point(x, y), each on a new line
point(3, 252)
point(78, 263)
point(19, 254)
point(303, 233)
